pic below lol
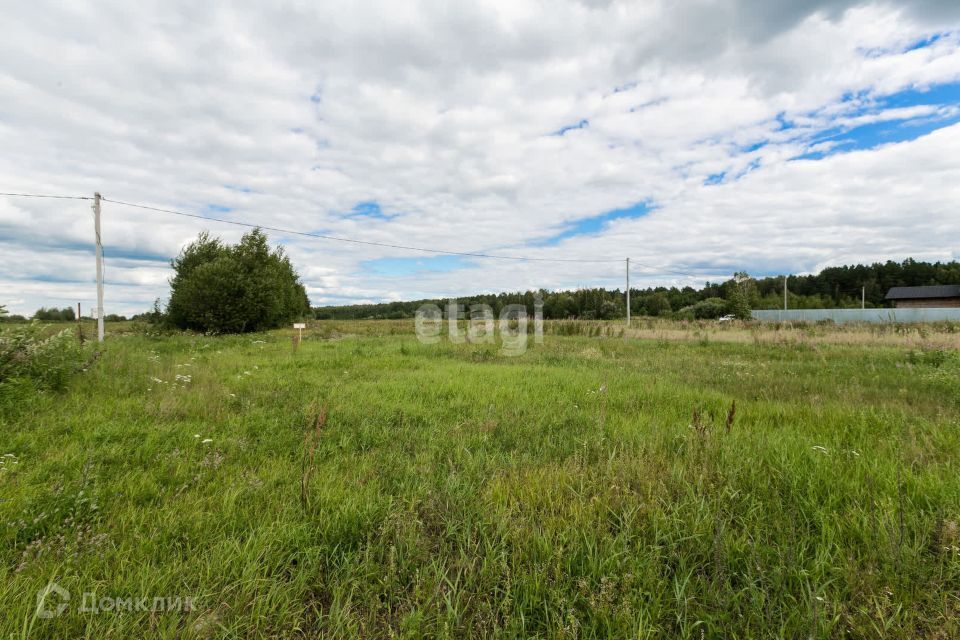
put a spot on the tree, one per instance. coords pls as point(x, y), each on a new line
point(609, 310)
point(739, 295)
point(658, 304)
point(709, 309)
point(221, 288)
point(53, 314)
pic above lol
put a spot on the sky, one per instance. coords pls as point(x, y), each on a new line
point(696, 138)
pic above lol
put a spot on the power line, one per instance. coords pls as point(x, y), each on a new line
point(39, 195)
point(662, 270)
point(355, 241)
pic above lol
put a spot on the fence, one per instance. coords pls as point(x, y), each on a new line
point(840, 316)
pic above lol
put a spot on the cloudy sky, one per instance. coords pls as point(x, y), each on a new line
point(698, 138)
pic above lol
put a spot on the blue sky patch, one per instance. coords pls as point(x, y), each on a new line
point(940, 94)
point(369, 209)
point(785, 125)
point(45, 244)
point(583, 124)
point(412, 266)
point(750, 148)
point(218, 208)
point(868, 136)
point(715, 178)
point(650, 103)
point(139, 255)
point(925, 42)
point(596, 224)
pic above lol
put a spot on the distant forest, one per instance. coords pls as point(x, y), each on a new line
point(834, 287)
point(67, 314)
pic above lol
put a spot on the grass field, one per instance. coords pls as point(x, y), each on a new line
point(601, 486)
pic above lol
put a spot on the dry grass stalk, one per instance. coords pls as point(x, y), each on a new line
point(698, 424)
point(731, 415)
point(311, 438)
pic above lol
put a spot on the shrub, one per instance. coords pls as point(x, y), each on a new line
point(932, 357)
point(709, 309)
point(32, 361)
point(657, 304)
point(53, 314)
point(220, 288)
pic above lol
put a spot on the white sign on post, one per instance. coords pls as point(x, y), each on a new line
point(300, 326)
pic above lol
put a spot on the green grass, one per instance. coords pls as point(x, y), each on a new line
point(454, 492)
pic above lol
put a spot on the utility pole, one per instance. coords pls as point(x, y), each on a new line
point(96, 226)
point(628, 292)
point(784, 293)
point(863, 297)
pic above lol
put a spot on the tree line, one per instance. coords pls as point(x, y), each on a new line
point(222, 288)
point(52, 314)
point(832, 288)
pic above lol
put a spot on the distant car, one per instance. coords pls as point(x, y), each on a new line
point(727, 318)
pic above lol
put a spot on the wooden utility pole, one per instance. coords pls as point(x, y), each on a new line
point(628, 292)
point(96, 227)
point(863, 297)
point(79, 325)
point(784, 293)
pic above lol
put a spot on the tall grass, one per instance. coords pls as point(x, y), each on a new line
point(594, 487)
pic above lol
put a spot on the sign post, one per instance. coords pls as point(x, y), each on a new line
point(299, 326)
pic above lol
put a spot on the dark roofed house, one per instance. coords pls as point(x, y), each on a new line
point(940, 295)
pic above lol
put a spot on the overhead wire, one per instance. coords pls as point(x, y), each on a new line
point(43, 195)
point(355, 241)
point(388, 245)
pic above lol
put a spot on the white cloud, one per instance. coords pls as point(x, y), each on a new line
point(442, 113)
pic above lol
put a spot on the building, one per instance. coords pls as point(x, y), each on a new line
point(940, 295)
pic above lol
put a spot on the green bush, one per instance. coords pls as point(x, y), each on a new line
point(31, 360)
point(709, 309)
point(53, 314)
point(657, 304)
point(931, 357)
point(219, 288)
